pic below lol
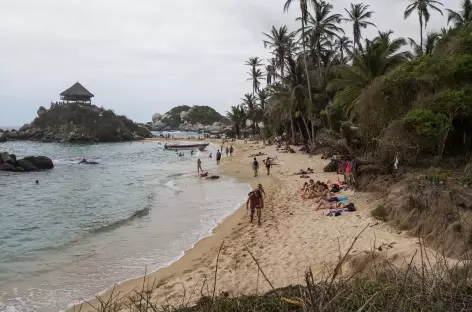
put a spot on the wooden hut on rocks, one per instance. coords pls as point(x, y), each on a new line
point(77, 94)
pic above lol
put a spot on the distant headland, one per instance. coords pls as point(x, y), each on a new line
point(75, 119)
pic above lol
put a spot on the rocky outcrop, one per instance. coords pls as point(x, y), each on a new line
point(8, 162)
point(78, 123)
point(186, 118)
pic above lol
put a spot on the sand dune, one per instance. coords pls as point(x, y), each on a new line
point(292, 238)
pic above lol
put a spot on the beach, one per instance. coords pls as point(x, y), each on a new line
point(292, 238)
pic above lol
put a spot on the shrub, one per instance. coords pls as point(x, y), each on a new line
point(380, 213)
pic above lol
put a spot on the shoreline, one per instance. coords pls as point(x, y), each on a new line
point(202, 245)
point(293, 236)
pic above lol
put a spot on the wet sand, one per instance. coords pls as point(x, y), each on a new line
point(293, 235)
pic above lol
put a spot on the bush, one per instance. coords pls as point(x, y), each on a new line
point(380, 213)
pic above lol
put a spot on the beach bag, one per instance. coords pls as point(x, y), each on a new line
point(334, 188)
point(351, 207)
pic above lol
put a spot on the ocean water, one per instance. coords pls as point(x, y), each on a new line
point(84, 228)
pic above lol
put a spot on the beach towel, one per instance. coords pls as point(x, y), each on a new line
point(340, 199)
point(335, 212)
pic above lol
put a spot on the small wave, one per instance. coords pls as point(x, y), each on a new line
point(114, 225)
point(171, 184)
point(174, 175)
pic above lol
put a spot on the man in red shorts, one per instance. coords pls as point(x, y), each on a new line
point(255, 203)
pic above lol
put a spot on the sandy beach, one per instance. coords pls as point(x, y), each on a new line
point(292, 237)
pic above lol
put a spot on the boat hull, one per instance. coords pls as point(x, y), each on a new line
point(200, 147)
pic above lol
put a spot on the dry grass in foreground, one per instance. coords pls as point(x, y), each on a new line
point(373, 284)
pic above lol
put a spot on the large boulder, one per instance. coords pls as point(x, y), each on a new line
point(7, 167)
point(41, 162)
point(3, 137)
point(143, 132)
point(4, 157)
point(26, 165)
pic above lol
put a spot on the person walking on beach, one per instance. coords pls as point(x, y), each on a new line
point(231, 149)
point(255, 166)
point(199, 166)
point(255, 203)
point(227, 151)
point(268, 164)
point(218, 157)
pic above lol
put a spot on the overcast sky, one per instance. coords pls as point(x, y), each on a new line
point(140, 57)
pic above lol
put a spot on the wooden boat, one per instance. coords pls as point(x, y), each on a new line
point(199, 146)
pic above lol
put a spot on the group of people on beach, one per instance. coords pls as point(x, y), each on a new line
point(255, 165)
point(325, 195)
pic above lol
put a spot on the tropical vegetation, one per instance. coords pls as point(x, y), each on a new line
point(387, 96)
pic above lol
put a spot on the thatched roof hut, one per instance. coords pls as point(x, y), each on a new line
point(77, 93)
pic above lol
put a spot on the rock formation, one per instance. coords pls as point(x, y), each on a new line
point(8, 162)
point(78, 123)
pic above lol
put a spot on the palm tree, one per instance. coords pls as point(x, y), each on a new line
point(255, 73)
point(263, 95)
point(422, 6)
point(304, 15)
point(463, 18)
point(358, 16)
point(237, 116)
point(428, 46)
point(271, 71)
point(277, 41)
point(249, 103)
point(323, 25)
point(343, 44)
point(376, 58)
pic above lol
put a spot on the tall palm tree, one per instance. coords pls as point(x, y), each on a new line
point(358, 16)
point(271, 71)
point(263, 95)
point(304, 15)
point(237, 117)
point(249, 103)
point(255, 74)
point(428, 45)
point(422, 7)
point(463, 18)
point(323, 25)
point(277, 42)
point(376, 58)
point(343, 44)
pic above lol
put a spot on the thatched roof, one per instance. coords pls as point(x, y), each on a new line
point(77, 90)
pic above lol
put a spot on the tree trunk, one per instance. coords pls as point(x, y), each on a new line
point(237, 131)
point(292, 129)
point(304, 59)
point(301, 132)
point(306, 127)
point(421, 32)
point(312, 131)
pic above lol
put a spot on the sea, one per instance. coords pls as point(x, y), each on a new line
point(84, 228)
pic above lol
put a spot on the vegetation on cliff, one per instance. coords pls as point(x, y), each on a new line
point(370, 96)
point(80, 122)
point(204, 115)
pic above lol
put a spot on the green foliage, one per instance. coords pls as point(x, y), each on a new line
point(90, 121)
point(380, 213)
point(198, 114)
point(435, 175)
point(426, 123)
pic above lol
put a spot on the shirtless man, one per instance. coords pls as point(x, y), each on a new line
point(199, 166)
point(255, 203)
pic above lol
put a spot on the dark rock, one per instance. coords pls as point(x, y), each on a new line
point(86, 162)
point(12, 159)
point(41, 162)
point(26, 165)
point(4, 157)
point(3, 137)
point(7, 167)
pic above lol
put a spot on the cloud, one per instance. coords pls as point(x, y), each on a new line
point(146, 56)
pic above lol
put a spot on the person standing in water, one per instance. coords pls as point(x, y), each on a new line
point(255, 166)
point(255, 203)
point(218, 157)
point(199, 166)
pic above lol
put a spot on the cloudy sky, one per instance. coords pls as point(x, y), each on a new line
point(145, 56)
